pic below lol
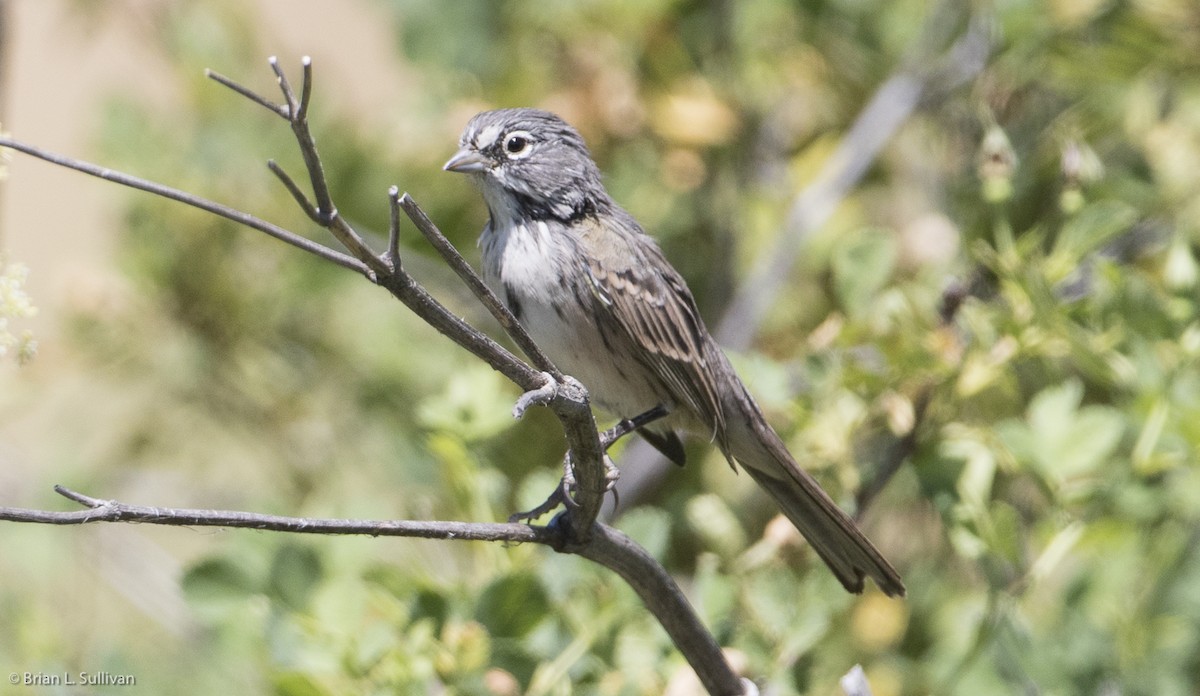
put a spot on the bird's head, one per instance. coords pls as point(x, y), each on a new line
point(529, 164)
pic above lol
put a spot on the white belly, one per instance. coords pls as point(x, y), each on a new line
point(524, 266)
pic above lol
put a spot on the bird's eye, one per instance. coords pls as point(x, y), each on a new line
point(517, 144)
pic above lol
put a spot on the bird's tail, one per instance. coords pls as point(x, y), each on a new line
point(831, 532)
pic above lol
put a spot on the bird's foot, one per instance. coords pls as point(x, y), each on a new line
point(611, 474)
point(562, 492)
point(556, 498)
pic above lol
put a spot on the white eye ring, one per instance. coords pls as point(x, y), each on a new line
point(518, 144)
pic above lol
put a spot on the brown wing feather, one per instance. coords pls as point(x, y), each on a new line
point(649, 300)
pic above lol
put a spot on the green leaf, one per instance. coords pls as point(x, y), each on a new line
point(714, 591)
point(1059, 437)
point(295, 572)
point(716, 524)
point(861, 268)
point(475, 404)
point(512, 606)
point(1068, 440)
point(1092, 227)
point(296, 684)
point(217, 585)
point(650, 527)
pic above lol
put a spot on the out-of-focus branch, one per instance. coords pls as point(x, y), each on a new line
point(924, 79)
point(888, 109)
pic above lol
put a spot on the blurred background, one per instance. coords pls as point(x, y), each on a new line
point(993, 338)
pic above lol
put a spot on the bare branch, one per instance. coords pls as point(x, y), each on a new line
point(213, 207)
point(305, 88)
point(888, 109)
point(606, 546)
point(508, 322)
point(288, 95)
point(113, 511)
point(277, 109)
point(393, 246)
point(666, 601)
point(323, 212)
point(293, 188)
point(900, 449)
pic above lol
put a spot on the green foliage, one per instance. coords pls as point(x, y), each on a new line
point(1045, 523)
point(15, 304)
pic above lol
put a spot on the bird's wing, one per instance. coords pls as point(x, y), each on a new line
point(647, 298)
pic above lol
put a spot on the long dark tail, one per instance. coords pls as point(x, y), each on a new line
point(831, 532)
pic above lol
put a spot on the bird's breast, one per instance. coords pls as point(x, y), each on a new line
point(540, 273)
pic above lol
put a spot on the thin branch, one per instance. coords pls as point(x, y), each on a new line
point(322, 210)
point(98, 510)
point(315, 248)
point(667, 602)
point(393, 245)
point(305, 87)
point(277, 109)
point(288, 95)
point(293, 188)
point(482, 292)
point(606, 546)
point(898, 452)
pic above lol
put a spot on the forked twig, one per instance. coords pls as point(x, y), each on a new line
point(238, 216)
point(482, 292)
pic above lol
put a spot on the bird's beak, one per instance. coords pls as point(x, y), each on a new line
point(466, 161)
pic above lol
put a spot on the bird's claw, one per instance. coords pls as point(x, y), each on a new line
point(556, 498)
point(562, 492)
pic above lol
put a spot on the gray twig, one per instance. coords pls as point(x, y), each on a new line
point(287, 236)
point(393, 245)
point(606, 546)
point(482, 292)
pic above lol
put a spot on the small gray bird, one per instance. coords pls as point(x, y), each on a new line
point(597, 294)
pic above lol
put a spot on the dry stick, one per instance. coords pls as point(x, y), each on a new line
point(483, 293)
point(295, 112)
point(568, 400)
point(315, 248)
point(608, 547)
point(393, 245)
point(403, 287)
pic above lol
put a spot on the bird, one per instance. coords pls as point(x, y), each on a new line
point(596, 293)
